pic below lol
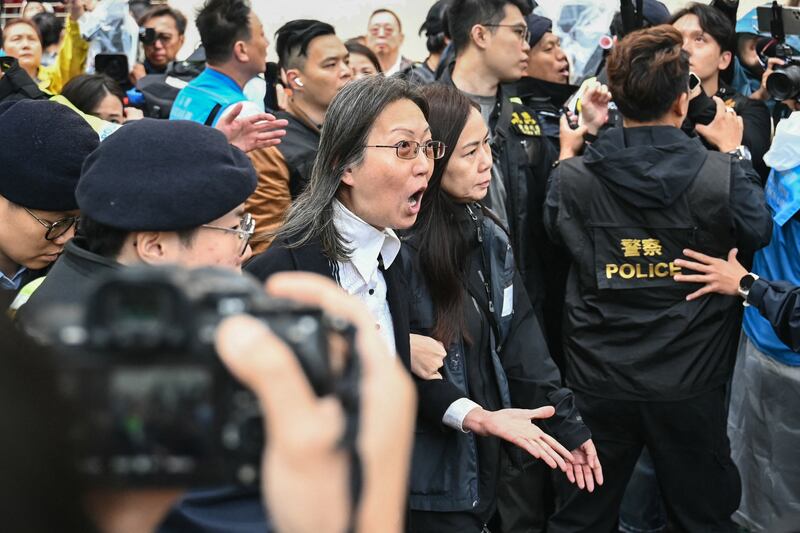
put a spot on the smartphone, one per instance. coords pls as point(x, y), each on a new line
point(694, 81)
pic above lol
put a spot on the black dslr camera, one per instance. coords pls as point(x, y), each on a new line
point(147, 36)
point(154, 405)
point(784, 82)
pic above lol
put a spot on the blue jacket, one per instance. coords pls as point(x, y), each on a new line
point(780, 260)
point(206, 97)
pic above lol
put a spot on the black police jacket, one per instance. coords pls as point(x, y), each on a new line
point(68, 282)
point(625, 211)
point(505, 363)
point(546, 99)
point(524, 158)
point(779, 302)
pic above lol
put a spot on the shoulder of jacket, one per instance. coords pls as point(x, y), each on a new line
point(524, 120)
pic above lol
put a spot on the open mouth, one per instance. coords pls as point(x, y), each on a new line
point(416, 198)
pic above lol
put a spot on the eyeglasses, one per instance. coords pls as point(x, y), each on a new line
point(410, 149)
point(247, 226)
point(522, 32)
point(55, 229)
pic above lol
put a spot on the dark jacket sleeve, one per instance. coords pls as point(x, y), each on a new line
point(757, 132)
point(779, 302)
point(551, 205)
point(751, 217)
point(533, 378)
point(435, 396)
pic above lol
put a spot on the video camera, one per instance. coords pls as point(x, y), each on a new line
point(784, 82)
point(154, 404)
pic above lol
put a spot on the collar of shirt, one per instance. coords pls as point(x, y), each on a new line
point(394, 69)
point(14, 281)
point(368, 242)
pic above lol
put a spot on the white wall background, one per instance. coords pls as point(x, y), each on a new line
point(349, 17)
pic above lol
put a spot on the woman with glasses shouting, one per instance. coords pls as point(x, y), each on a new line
point(375, 157)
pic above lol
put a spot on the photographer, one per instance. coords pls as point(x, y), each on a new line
point(646, 366)
point(298, 472)
point(169, 27)
point(709, 39)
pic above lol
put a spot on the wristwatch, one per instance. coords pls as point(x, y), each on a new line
point(745, 284)
point(741, 152)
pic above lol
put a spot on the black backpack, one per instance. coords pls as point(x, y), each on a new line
point(160, 90)
point(16, 84)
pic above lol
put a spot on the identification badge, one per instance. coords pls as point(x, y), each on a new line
point(508, 301)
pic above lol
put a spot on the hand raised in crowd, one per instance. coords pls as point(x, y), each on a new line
point(516, 427)
point(725, 131)
point(303, 467)
point(762, 93)
point(717, 275)
point(585, 469)
point(427, 357)
point(252, 132)
point(133, 113)
point(75, 8)
point(594, 107)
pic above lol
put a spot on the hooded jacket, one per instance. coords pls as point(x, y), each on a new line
point(625, 211)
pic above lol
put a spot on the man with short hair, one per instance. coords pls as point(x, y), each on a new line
point(236, 52)
point(182, 206)
point(709, 39)
point(315, 67)
point(385, 37)
point(44, 146)
point(170, 26)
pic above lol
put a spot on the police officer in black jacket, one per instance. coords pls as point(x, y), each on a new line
point(647, 366)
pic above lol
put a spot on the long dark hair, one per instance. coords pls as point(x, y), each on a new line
point(87, 91)
point(442, 243)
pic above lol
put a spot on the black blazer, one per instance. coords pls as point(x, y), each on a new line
point(309, 258)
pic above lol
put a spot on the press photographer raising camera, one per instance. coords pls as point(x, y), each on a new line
point(303, 465)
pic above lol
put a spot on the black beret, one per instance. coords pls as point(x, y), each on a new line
point(434, 21)
point(43, 145)
point(538, 26)
point(164, 175)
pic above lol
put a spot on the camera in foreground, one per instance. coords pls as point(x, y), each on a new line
point(154, 404)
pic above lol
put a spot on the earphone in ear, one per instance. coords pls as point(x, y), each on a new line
point(299, 82)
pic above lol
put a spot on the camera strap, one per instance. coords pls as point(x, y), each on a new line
point(349, 394)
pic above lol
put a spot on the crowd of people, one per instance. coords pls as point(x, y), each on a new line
point(576, 295)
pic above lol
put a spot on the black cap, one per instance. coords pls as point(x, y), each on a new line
point(538, 26)
point(164, 175)
point(43, 145)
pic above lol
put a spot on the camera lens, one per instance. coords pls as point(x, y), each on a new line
point(784, 83)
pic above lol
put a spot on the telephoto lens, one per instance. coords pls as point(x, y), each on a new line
point(784, 83)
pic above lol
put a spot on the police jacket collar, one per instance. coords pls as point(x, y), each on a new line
point(556, 94)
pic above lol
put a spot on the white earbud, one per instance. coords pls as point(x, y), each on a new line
point(299, 82)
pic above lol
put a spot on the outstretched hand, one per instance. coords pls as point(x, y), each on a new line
point(585, 469)
point(250, 133)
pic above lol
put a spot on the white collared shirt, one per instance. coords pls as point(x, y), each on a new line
point(394, 69)
point(360, 275)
